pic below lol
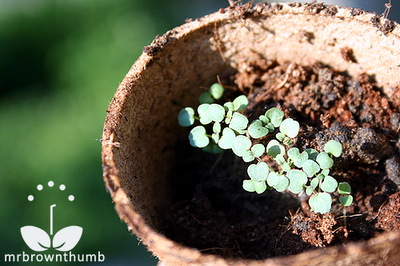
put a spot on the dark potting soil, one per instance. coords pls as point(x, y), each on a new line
point(214, 214)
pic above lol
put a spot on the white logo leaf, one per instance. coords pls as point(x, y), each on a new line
point(67, 238)
point(35, 238)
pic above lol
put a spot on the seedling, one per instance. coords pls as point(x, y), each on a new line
point(273, 135)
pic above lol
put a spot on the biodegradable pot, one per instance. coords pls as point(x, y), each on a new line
point(141, 126)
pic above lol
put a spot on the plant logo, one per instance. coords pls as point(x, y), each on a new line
point(39, 240)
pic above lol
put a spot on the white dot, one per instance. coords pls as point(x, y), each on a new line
point(51, 183)
point(62, 187)
point(39, 187)
point(30, 197)
point(71, 198)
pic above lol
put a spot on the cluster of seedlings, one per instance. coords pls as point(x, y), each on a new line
point(266, 143)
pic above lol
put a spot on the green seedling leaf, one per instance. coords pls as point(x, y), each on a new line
point(229, 106)
point(227, 138)
point(258, 150)
point(274, 148)
point(186, 117)
point(329, 184)
point(240, 103)
point(282, 162)
point(265, 120)
point(278, 181)
point(198, 137)
point(344, 188)
point(239, 123)
point(312, 154)
point(216, 112)
point(215, 138)
point(203, 113)
point(324, 160)
point(258, 172)
point(257, 130)
point(206, 97)
point(228, 117)
point(333, 147)
point(314, 182)
point(249, 186)
point(300, 159)
point(248, 156)
point(216, 91)
point(346, 200)
point(240, 145)
point(297, 180)
point(325, 172)
point(280, 136)
point(321, 176)
point(321, 203)
point(217, 128)
point(270, 127)
point(311, 168)
point(212, 148)
point(309, 190)
point(275, 115)
point(290, 127)
point(293, 152)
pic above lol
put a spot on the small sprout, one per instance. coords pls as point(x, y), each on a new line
point(229, 106)
point(257, 130)
point(206, 97)
point(309, 190)
point(344, 188)
point(290, 127)
point(255, 152)
point(311, 168)
point(216, 91)
point(212, 148)
point(280, 136)
point(227, 138)
point(278, 181)
point(240, 103)
point(258, 172)
point(203, 113)
point(333, 147)
point(217, 128)
point(274, 148)
point(282, 162)
point(312, 154)
point(298, 158)
point(239, 123)
point(297, 179)
point(240, 145)
point(216, 112)
point(265, 120)
point(198, 137)
point(346, 200)
point(186, 117)
point(275, 115)
point(314, 182)
point(254, 186)
point(215, 137)
point(325, 172)
point(321, 176)
point(321, 202)
point(324, 161)
point(329, 184)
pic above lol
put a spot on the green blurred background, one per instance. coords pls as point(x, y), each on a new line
point(61, 62)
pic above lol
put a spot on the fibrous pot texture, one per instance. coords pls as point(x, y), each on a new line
point(141, 128)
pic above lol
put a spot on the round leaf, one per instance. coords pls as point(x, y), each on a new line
point(321, 202)
point(239, 123)
point(186, 117)
point(260, 186)
point(329, 184)
point(290, 127)
point(226, 141)
point(203, 113)
point(274, 148)
point(240, 103)
point(216, 112)
point(198, 137)
point(344, 188)
point(257, 130)
point(248, 185)
point(216, 90)
point(297, 180)
point(311, 168)
point(258, 150)
point(333, 147)
point(346, 200)
point(324, 160)
point(258, 172)
point(278, 181)
point(206, 97)
point(248, 156)
point(312, 154)
point(217, 128)
point(275, 115)
point(240, 145)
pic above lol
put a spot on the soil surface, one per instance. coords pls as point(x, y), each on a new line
point(214, 214)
